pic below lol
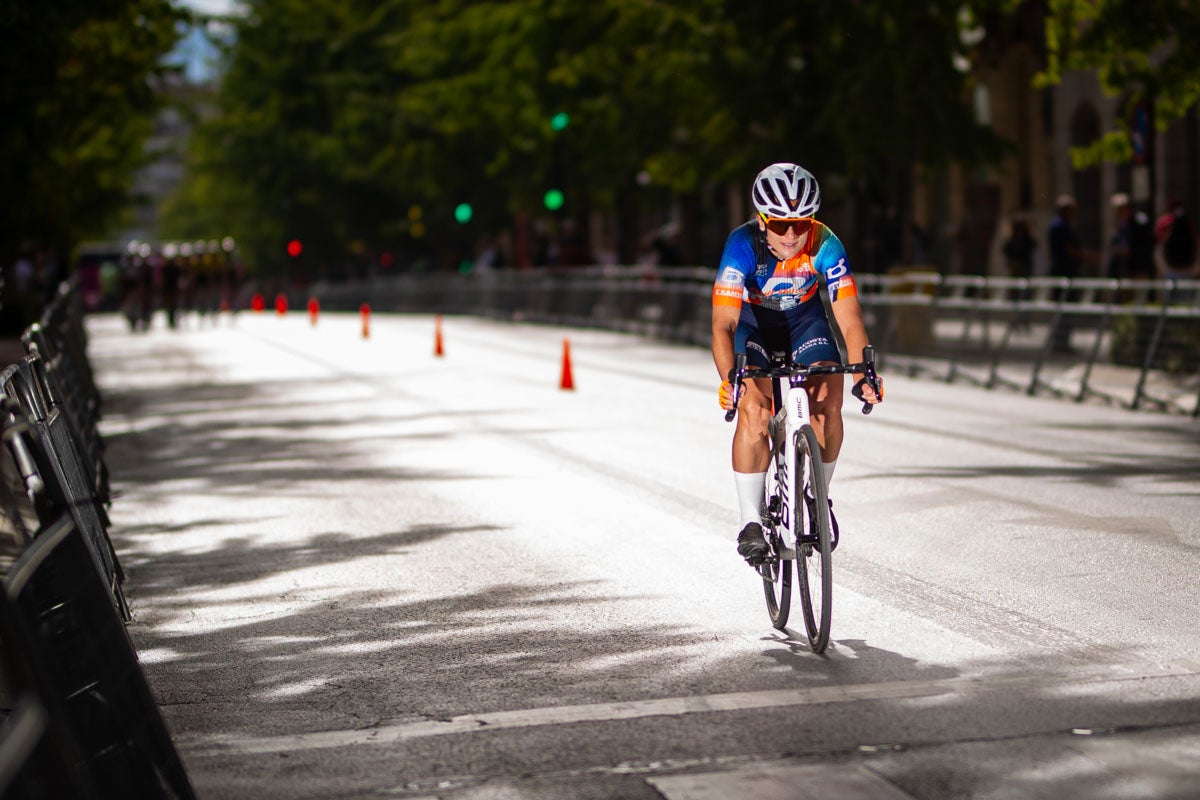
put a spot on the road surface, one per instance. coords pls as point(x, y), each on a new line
point(359, 570)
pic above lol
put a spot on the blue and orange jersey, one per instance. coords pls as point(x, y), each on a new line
point(750, 273)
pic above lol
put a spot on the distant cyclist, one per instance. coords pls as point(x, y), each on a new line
point(766, 298)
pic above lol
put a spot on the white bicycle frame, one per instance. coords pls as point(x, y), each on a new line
point(793, 415)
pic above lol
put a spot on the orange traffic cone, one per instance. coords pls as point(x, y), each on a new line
point(314, 308)
point(257, 303)
point(365, 311)
point(281, 304)
point(438, 349)
point(567, 381)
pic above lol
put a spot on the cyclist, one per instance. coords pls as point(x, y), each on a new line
point(765, 298)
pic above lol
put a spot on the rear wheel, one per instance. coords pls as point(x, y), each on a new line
point(777, 582)
point(814, 560)
point(776, 572)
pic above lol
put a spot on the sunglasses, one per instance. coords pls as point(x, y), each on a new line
point(780, 227)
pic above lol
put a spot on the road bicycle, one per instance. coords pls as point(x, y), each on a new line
point(795, 508)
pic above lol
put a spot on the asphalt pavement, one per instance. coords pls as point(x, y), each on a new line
point(361, 570)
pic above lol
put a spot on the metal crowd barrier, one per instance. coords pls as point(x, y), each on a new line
point(53, 470)
point(82, 720)
point(56, 390)
point(1134, 343)
point(58, 344)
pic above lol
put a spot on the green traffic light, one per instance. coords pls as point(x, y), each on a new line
point(553, 199)
point(463, 212)
point(560, 121)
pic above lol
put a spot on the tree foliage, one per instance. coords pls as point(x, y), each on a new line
point(337, 116)
point(336, 119)
point(1144, 52)
point(78, 85)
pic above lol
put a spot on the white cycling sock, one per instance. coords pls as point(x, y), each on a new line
point(750, 486)
point(829, 468)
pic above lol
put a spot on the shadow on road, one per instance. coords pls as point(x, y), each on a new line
point(242, 638)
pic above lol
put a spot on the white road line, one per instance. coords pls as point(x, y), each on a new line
point(675, 706)
point(780, 782)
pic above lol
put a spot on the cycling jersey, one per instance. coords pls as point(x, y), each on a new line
point(750, 273)
point(778, 299)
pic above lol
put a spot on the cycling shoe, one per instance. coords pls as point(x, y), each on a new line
point(751, 544)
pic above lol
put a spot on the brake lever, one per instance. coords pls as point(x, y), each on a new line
point(735, 377)
point(869, 375)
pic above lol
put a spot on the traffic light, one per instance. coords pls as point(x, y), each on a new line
point(463, 213)
point(553, 199)
point(294, 248)
point(560, 121)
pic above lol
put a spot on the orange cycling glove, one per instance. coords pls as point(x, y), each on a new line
point(726, 395)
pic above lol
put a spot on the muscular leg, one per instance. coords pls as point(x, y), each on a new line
point(751, 455)
point(825, 406)
point(751, 447)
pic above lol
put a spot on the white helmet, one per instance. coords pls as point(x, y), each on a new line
point(786, 191)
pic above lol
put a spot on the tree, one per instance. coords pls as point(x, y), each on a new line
point(79, 84)
point(870, 92)
point(336, 117)
point(1147, 53)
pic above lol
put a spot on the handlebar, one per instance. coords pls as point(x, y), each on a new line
point(740, 372)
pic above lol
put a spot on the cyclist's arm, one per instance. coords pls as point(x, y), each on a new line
point(847, 311)
point(831, 262)
point(736, 260)
point(724, 326)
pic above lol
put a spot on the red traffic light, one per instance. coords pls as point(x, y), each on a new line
point(294, 248)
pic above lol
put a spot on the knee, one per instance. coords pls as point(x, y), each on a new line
point(826, 405)
point(752, 420)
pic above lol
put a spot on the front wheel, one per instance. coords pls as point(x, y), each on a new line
point(814, 559)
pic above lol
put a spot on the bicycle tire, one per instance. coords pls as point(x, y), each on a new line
point(776, 575)
point(814, 556)
point(775, 572)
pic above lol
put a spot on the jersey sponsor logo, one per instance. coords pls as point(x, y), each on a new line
point(845, 287)
point(731, 275)
point(727, 296)
point(837, 270)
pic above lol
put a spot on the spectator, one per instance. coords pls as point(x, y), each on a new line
point(23, 274)
point(1175, 242)
point(172, 275)
point(573, 246)
point(1131, 249)
point(1020, 247)
point(1067, 257)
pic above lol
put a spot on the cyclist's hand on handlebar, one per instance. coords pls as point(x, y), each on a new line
point(863, 390)
point(725, 395)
